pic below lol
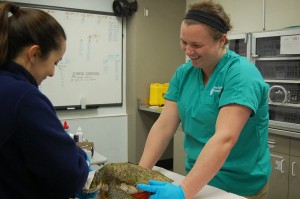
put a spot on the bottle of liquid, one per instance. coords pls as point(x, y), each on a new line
point(79, 133)
point(75, 137)
point(67, 129)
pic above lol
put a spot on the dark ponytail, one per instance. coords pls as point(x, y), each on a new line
point(21, 27)
point(4, 12)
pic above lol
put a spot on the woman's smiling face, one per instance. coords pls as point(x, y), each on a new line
point(198, 44)
point(44, 68)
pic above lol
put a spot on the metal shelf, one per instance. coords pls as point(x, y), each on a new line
point(153, 109)
point(277, 58)
point(282, 81)
point(286, 105)
point(276, 131)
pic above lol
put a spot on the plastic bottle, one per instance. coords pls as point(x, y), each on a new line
point(80, 134)
point(75, 137)
point(66, 127)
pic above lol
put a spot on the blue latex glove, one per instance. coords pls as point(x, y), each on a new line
point(162, 190)
point(88, 158)
point(82, 195)
point(88, 161)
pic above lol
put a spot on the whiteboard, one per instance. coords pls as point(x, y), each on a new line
point(90, 72)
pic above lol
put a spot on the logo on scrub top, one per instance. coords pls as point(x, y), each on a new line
point(216, 89)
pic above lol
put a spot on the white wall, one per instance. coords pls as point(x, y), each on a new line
point(260, 15)
point(105, 126)
point(281, 14)
point(99, 5)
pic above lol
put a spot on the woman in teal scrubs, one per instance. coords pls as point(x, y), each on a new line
point(221, 100)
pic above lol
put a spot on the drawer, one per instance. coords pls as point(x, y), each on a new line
point(279, 143)
point(295, 147)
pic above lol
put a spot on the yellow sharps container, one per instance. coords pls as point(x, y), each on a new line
point(157, 92)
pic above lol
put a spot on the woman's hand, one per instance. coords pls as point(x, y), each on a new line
point(162, 190)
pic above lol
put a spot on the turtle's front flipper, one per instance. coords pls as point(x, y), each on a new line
point(114, 192)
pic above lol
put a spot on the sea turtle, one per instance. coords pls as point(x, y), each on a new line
point(119, 180)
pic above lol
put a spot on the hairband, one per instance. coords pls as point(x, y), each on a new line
point(209, 19)
point(14, 9)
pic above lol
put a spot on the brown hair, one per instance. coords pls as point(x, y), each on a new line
point(21, 27)
point(214, 9)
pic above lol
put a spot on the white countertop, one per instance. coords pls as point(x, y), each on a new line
point(98, 159)
point(208, 192)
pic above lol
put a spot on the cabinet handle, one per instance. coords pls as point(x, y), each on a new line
point(293, 174)
point(281, 167)
point(271, 142)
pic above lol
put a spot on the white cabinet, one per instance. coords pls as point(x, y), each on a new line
point(240, 43)
point(277, 55)
point(285, 158)
point(279, 180)
point(294, 177)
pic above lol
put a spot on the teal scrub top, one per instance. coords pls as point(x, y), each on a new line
point(234, 80)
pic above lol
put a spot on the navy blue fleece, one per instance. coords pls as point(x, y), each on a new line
point(38, 159)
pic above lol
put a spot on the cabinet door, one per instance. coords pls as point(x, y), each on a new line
point(279, 176)
point(294, 178)
point(295, 147)
point(279, 143)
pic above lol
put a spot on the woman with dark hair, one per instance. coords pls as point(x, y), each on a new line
point(221, 100)
point(38, 159)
